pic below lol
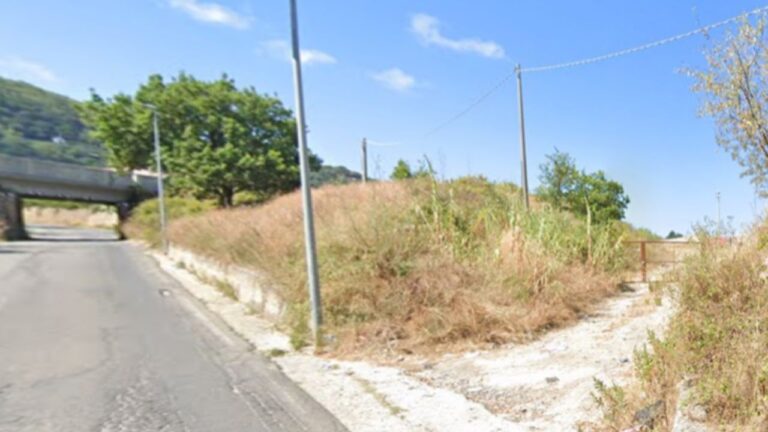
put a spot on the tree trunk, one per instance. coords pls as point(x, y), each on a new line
point(227, 197)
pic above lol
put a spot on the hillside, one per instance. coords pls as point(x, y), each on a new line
point(411, 266)
point(41, 124)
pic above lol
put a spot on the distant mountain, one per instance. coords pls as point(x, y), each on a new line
point(40, 124)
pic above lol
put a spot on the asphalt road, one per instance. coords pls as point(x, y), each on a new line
point(95, 337)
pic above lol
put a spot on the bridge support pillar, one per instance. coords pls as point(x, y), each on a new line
point(123, 213)
point(11, 217)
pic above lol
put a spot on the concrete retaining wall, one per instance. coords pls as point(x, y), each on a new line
point(252, 288)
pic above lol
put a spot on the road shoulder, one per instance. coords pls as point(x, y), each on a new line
point(363, 396)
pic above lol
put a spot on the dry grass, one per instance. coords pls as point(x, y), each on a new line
point(79, 217)
point(718, 339)
point(414, 266)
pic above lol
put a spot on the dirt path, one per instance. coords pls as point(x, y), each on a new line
point(548, 384)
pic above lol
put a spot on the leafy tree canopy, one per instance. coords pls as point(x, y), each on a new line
point(736, 96)
point(566, 187)
point(401, 171)
point(674, 235)
point(328, 174)
point(216, 139)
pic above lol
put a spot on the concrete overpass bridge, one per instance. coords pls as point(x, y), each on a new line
point(34, 178)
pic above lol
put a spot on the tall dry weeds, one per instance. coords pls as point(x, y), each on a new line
point(717, 340)
point(413, 265)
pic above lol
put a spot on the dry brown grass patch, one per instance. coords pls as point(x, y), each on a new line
point(417, 266)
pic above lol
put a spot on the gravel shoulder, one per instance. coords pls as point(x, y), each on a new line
point(548, 384)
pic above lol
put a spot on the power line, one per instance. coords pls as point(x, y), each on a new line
point(644, 47)
point(498, 85)
point(472, 106)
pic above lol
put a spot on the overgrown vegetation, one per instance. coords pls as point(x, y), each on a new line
point(409, 265)
point(718, 339)
point(145, 219)
point(40, 124)
point(403, 171)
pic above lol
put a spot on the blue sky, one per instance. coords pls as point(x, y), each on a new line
point(394, 70)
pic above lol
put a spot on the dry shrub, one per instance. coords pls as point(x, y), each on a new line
point(718, 338)
point(413, 265)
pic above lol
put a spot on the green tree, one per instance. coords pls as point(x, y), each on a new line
point(216, 138)
point(328, 174)
point(673, 235)
point(566, 187)
point(402, 171)
point(122, 125)
point(559, 179)
point(736, 96)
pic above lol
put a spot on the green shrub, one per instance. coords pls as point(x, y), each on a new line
point(144, 222)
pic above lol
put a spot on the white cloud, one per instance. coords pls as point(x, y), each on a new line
point(311, 56)
point(211, 13)
point(395, 79)
point(427, 28)
point(26, 70)
point(282, 50)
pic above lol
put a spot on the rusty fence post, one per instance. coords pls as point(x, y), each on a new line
point(643, 262)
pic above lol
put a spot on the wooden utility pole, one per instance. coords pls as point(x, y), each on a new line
point(523, 160)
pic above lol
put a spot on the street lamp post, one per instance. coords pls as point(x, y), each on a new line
point(160, 191)
point(306, 193)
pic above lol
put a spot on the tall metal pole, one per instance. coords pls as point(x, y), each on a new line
point(523, 159)
point(306, 193)
point(365, 161)
point(160, 190)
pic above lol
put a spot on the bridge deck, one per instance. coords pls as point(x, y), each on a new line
point(47, 179)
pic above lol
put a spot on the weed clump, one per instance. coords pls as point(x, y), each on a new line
point(717, 341)
point(145, 218)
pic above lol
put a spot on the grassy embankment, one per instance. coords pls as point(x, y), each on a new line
point(408, 266)
point(717, 341)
